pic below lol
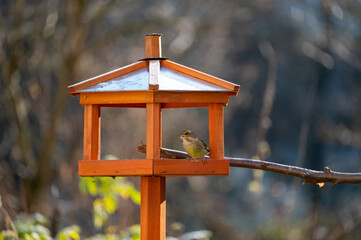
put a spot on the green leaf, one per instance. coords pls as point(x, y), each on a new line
point(7, 235)
point(99, 213)
point(74, 235)
point(108, 190)
point(39, 219)
point(83, 185)
point(135, 196)
point(126, 190)
point(105, 185)
point(110, 204)
point(62, 236)
point(69, 233)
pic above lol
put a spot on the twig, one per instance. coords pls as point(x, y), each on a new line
point(166, 153)
point(308, 175)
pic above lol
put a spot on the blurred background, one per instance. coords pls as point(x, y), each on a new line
point(298, 64)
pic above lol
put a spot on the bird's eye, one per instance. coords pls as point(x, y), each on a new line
point(186, 133)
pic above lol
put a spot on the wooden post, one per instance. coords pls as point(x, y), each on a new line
point(216, 133)
point(152, 189)
point(91, 132)
point(153, 199)
point(152, 208)
point(153, 47)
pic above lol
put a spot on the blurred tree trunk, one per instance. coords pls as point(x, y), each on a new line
point(36, 165)
point(314, 155)
point(40, 56)
point(315, 145)
point(45, 172)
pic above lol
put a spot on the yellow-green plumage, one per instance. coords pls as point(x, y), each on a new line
point(193, 145)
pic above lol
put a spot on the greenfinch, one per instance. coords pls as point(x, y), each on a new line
point(193, 145)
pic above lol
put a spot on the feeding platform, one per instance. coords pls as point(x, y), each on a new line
point(153, 83)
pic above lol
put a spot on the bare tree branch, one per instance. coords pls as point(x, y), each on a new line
point(308, 175)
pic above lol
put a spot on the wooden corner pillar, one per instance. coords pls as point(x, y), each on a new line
point(153, 200)
point(152, 189)
point(216, 132)
point(91, 132)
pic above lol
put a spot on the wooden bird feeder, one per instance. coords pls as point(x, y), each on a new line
point(154, 83)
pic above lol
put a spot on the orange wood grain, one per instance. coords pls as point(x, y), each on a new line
point(116, 97)
point(204, 76)
point(125, 105)
point(183, 105)
point(153, 208)
point(153, 202)
point(154, 96)
point(190, 97)
point(190, 167)
point(107, 76)
point(153, 130)
point(153, 46)
point(216, 134)
point(91, 132)
point(129, 167)
point(153, 87)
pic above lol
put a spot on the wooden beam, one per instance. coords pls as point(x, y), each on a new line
point(91, 132)
point(191, 167)
point(123, 97)
point(126, 167)
point(153, 202)
point(124, 105)
point(183, 105)
point(186, 99)
point(190, 97)
point(216, 137)
point(163, 105)
point(153, 130)
point(177, 163)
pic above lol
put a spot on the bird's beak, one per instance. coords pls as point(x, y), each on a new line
point(181, 136)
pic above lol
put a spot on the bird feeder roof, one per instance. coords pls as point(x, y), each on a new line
point(154, 74)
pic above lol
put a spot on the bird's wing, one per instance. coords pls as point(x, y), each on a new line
point(204, 145)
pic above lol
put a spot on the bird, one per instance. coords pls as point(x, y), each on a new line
point(193, 145)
